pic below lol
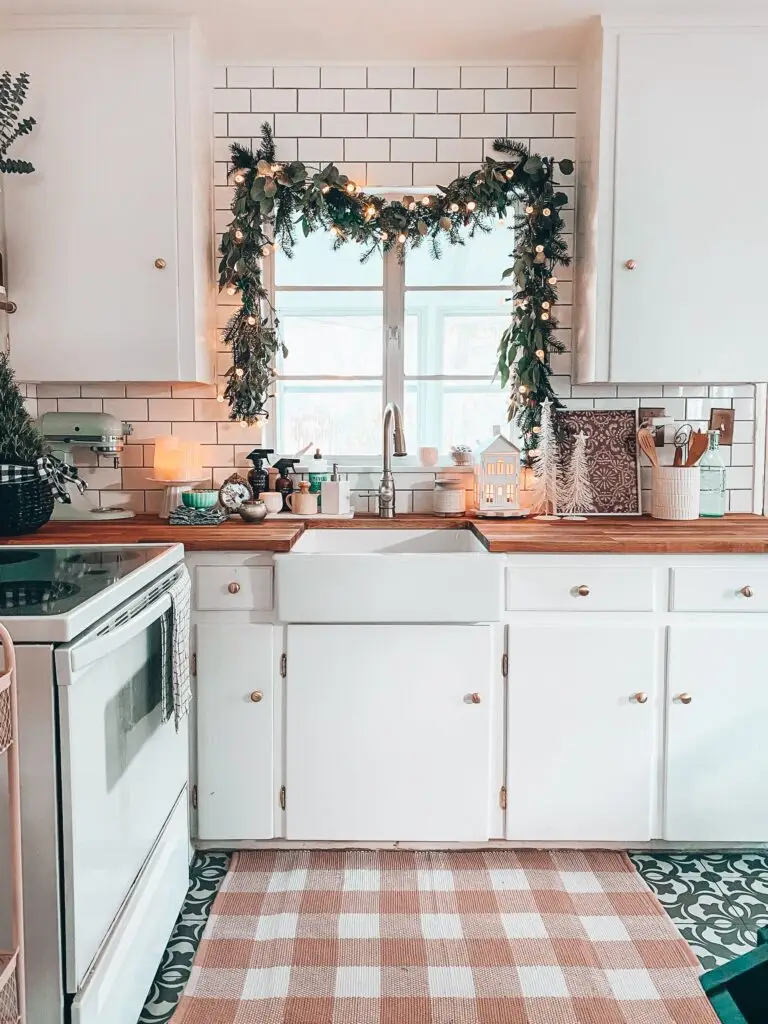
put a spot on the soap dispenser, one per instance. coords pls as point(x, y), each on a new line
point(284, 484)
point(335, 496)
point(257, 477)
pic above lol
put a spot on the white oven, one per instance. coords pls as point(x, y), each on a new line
point(103, 773)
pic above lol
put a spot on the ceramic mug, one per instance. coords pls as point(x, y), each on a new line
point(428, 456)
point(272, 500)
point(302, 503)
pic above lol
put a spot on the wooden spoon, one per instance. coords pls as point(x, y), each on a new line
point(648, 445)
point(696, 447)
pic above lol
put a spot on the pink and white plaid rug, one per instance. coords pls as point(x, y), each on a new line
point(475, 937)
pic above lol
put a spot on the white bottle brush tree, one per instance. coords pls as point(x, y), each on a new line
point(545, 470)
point(576, 493)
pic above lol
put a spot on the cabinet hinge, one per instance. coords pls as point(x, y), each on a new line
point(194, 797)
point(193, 666)
point(505, 665)
point(283, 665)
point(503, 798)
point(282, 798)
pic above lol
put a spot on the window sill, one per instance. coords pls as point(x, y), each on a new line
point(408, 464)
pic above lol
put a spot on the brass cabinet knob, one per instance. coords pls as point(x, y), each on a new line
point(233, 587)
point(583, 590)
point(160, 263)
point(256, 696)
point(747, 592)
point(640, 698)
point(684, 698)
point(473, 698)
point(630, 264)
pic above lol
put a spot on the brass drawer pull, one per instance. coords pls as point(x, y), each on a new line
point(630, 264)
point(256, 696)
point(747, 592)
point(160, 263)
point(234, 588)
point(640, 698)
point(473, 698)
point(684, 698)
point(583, 590)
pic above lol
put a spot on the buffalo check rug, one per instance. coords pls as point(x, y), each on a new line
point(456, 937)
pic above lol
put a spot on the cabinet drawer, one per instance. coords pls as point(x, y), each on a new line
point(228, 587)
point(720, 590)
point(580, 589)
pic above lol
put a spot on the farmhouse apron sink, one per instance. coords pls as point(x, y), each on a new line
point(388, 576)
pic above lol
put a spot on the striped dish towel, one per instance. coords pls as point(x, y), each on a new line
point(175, 655)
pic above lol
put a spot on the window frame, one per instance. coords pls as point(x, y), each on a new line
point(393, 377)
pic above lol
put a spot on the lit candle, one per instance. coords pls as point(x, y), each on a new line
point(177, 460)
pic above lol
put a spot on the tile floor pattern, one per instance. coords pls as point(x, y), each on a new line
point(717, 900)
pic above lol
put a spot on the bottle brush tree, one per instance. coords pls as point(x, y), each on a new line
point(21, 443)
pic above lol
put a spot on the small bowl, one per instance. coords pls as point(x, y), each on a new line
point(200, 498)
point(254, 511)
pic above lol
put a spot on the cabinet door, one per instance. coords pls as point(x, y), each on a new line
point(717, 743)
point(85, 229)
point(580, 747)
point(383, 741)
point(236, 792)
point(670, 320)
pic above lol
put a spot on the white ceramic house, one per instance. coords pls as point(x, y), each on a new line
point(497, 477)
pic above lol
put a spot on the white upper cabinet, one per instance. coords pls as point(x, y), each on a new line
point(669, 247)
point(109, 242)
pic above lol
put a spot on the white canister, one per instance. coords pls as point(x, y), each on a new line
point(675, 492)
point(450, 496)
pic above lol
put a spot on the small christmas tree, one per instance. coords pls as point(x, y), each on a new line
point(545, 465)
point(577, 493)
point(21, 443)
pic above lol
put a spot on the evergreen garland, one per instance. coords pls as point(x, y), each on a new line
point(21, 443)
point(274, 200)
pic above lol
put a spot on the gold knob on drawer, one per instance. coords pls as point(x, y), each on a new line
point(256, 696)
point(684, 698)
point(583, 590)
point(233, 587)
point(747, 592)
point(473, 698)
point(640, 698)
point(160, 263)
point(630, 264)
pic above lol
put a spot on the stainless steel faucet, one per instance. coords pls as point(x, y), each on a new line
point(387, 485)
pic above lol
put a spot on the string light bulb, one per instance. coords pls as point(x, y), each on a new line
point(384, 236)
point(266, 250)
point(426, 201)
point(522, 389)
point(243, 424)
point(335, 231)
point(552, 280)
point(231, 289)
point(454, 207)
point(537, 430)
point(220, 398)
point(251, 321)
point(239, 372)
point(540, 353)
point(509, 173)
point(539, 248)
point(545, 316)
point(471, 205)
point(529, 210)
point(545, 305)
point(402, 238)
point(239, 177)
point(350, 188)
point(239, 235)
point(370, 212)
point(546, 211)
point(325, 189)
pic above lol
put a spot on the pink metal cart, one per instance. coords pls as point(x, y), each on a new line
point(12, 961)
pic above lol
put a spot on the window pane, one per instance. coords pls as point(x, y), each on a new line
point(445, 413)
point(340, 419)
point(453, 332)
point(315, 263)
point(331, 333)
point(481, 261)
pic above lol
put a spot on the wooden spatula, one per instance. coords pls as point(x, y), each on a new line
point(697, 445)
point(648, 445)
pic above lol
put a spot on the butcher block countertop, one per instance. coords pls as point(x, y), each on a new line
point(735, 534)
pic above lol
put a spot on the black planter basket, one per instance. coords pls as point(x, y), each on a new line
point(25, 506)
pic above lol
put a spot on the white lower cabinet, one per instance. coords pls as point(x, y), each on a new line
point(388, 732)
point(717, 734)
point(236, 790)
point(581, 713)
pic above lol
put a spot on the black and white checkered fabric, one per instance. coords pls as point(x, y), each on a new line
point(53, 471)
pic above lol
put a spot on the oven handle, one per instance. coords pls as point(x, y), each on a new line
point(83, 655)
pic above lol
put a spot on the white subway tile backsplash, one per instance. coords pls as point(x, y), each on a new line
point(250, 78)
point(436, 126)
point(539, 76)
point(390, 77)
point(343, 78)
point(423, 101)
point(367, 100)
point(297, 78)
point(559, 101)
point(461, 101)
point(389, 126)
point(483, 78)
point(437, 78)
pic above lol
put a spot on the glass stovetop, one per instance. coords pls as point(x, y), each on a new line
point(54, 580)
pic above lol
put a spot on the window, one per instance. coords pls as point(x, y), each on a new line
point(423, 334)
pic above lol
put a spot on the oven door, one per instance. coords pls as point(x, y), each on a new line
point(122, 767)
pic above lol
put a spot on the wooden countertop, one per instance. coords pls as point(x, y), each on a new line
point(735, 534)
